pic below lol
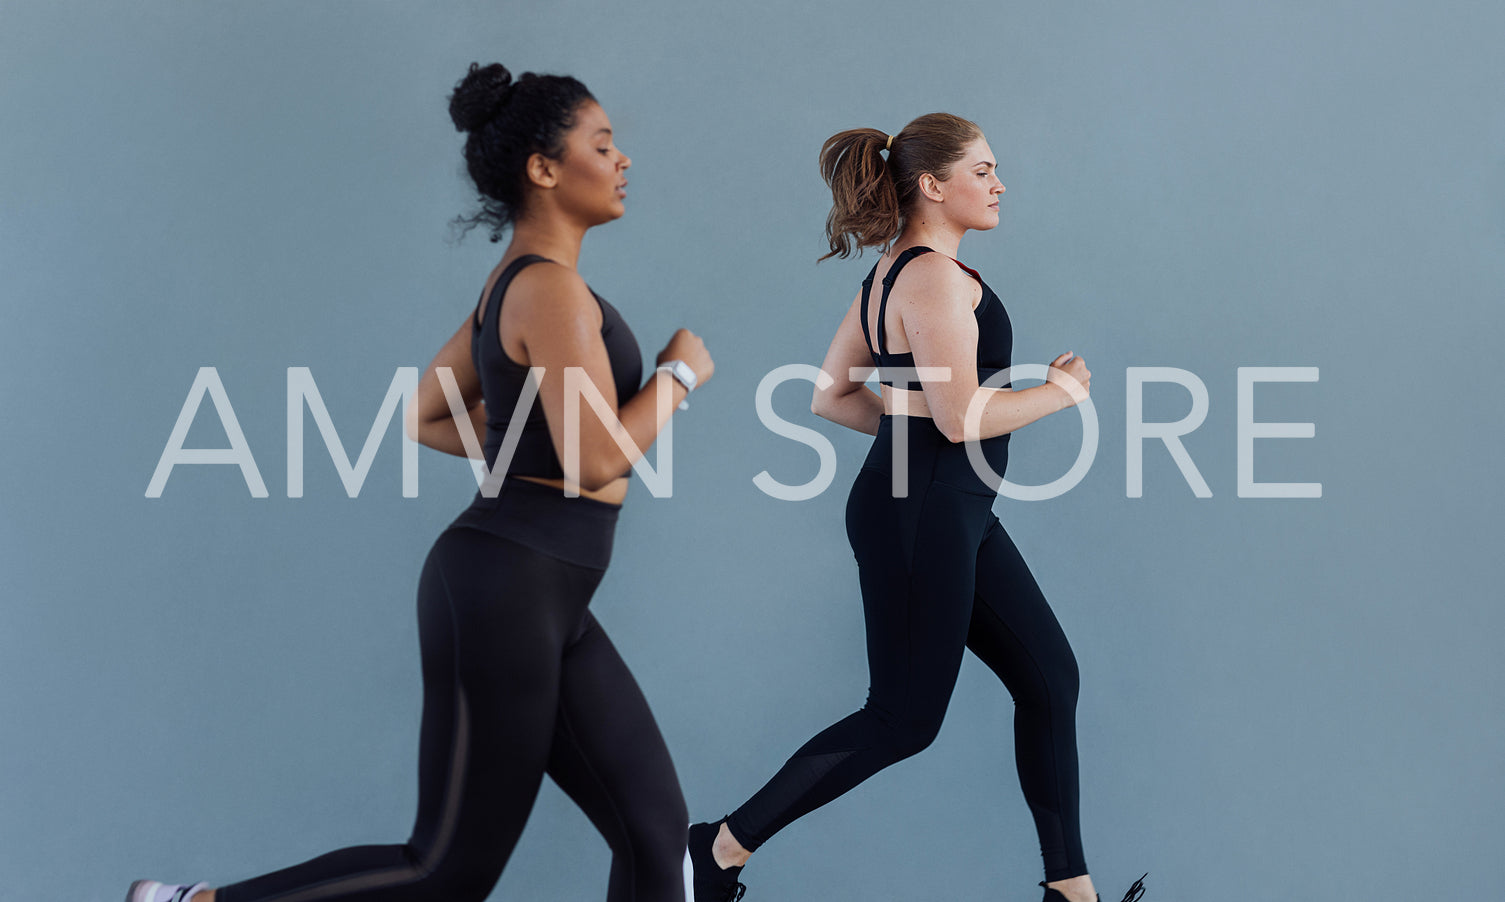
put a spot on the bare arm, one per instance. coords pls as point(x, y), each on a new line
point(558, 321)
point(847, 401)
point(429, 420)
point(934, 303)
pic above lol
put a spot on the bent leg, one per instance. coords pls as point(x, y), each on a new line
point(493, 620)
point(610, 758)
point(915, 565)
point(1017, 635)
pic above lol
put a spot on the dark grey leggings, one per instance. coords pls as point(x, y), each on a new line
point(519, 680)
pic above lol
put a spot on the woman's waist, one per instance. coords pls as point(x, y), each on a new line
point(916, 447)
point(543, 517)
point(923, 429)
point(898, 371)
point(533, 459)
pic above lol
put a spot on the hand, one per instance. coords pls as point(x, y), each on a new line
point(1068, 365)
point(687, 346)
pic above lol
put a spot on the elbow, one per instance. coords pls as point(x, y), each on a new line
point(594, 485)
point(422, 432)
point(410, 422)
point(827, 403)
point(953, 428)
point(415, 433)
point(595, 475)
point(598, 462)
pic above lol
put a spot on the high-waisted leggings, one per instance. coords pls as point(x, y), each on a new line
point(939, 574)
point(518, 680)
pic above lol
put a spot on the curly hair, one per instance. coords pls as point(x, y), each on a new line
point(506, 122)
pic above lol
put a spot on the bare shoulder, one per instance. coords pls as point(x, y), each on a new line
point(549, 292)
point(934, 281)
point(854, 309)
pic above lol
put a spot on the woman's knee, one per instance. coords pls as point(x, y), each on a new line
point(460, 876)
point(1065, 679)
point(905, 739)
point(1053, 683)
point(651, 847)
point(652, 835)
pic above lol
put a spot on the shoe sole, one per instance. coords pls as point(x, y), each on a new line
point(146, 886)
point(130, 894)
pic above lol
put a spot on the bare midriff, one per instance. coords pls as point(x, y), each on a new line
point(913, 402)
point(614, 492)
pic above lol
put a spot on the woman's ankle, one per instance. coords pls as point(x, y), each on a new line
point(727, 852)
point(1075, 889)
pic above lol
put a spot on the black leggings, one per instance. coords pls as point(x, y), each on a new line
point(939, 573)
point(518, 680)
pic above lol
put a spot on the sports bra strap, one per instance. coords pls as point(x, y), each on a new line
point(888, 284)
point(867, 286)
point(499, 290)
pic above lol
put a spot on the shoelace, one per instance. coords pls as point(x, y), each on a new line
point(1136, 892)
point(734, 892)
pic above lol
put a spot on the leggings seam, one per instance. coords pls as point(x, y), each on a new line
point(421, 869)
point(909, 605)
point(460, 761)
point(616, 813)
point(1055, 759)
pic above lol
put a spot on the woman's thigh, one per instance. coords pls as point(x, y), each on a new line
point(916, 566)
point(1013, 629)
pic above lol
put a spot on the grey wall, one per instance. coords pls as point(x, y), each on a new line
point(1280, 697)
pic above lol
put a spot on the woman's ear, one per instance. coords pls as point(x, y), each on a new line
point(542, 171)
point(930, 186)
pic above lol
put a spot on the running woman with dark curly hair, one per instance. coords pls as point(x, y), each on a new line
point(519, 680)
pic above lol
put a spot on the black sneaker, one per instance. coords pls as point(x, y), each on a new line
point(711, 882)
point(1135, 893)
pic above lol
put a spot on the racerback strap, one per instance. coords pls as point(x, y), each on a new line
point(888, 284)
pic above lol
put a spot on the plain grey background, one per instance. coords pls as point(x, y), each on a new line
point(1281, 698)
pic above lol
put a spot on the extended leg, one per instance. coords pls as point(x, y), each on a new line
point(917, 590)
point(493, 620)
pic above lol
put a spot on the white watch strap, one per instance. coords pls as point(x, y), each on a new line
point(685, 404)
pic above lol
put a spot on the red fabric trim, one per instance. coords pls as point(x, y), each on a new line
point(970, 271)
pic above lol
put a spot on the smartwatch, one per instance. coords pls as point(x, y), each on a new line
point(680, 371)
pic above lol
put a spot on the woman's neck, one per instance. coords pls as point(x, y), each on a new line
point(550, 237)
point(938, 236)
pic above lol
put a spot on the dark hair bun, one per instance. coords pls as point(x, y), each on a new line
point(506, 121)
point(479, 95)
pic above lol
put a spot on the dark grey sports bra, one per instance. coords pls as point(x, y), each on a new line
point(502, 378)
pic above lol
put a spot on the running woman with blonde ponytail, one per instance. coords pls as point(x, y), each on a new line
point(937, 570)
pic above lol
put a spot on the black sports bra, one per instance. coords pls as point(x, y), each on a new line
point(995, 334)
point(502, 378)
